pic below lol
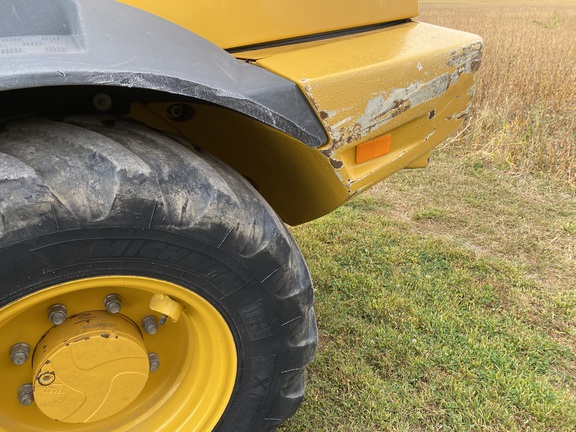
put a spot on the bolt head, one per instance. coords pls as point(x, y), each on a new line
point(113, 307)
point(113, 303)
point(19, 358)
point(102, 102)
point(26, 394)
point(176, 111)
point(19, 353)
point(154, 362)
point(26, 399)
point(57, 318)
point(57, 314)
point(150, 324)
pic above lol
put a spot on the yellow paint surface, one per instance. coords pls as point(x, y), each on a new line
point(413, 81)
point(233, 23)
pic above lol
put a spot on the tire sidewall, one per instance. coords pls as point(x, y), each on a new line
point(254, 315)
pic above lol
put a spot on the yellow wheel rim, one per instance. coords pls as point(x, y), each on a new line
point(197, 354)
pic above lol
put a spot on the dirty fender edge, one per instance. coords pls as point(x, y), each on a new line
point(104, 43)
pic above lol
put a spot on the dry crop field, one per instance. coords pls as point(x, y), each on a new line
point(525, 111)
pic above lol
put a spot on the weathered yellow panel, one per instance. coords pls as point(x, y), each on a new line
point(413, 81)
point(233, 23)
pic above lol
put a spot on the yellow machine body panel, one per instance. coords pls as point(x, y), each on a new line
point(232, 23)
point(386, 98)
point(412, 82)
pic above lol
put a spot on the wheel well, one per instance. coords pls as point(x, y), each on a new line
point(296, 180)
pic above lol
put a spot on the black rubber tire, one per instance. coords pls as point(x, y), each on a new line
point(66, 185)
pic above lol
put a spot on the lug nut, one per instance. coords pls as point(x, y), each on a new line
point(19, 353)
point(26, 394)
point(150, 324)
point(57, 313)
point(154, 362)
point(113, 303)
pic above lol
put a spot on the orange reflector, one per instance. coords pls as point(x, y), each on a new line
point(373, 148)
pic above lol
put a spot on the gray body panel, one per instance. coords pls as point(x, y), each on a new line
point(48, 43)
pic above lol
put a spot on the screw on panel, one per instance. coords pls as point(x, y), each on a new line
point(154, 362)
point(57, 313)
point(150, 324)
point(176, 111)
point(26, 394)
point(19, 353)
point(113, 303)
point(180, 112)
point(102, 102)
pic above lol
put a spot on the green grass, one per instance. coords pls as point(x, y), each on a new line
point(446, 298)
point(445, 301)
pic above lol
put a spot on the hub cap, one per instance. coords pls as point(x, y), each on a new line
point(90, 367)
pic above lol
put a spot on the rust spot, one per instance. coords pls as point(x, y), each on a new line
point(336, 163)
point(105, 335)
point(324, 115)
point(476, 65)
point(397, 108)
point(432, 114)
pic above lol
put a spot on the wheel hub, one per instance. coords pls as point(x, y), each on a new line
point(101, 371)
point(89, 368)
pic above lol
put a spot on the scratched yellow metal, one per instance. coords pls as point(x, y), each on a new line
point(414, 81)
point(233, 23)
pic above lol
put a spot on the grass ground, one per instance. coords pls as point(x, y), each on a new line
point(445, 297)
point(447, 308)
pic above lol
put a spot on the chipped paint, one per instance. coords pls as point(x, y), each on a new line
point(430, 135)
point(468, 58)
point(381, 109)
point(342, 122)
point(336, 163)
point(412, 81)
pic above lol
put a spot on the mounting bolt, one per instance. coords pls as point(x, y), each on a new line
point(113, 303)
point(176, 111)
point(150, 324)
point(154, 362)
point(180, 112)
point(57, 313)
point(102, 102)
point(19, 353)
point(26, 394)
